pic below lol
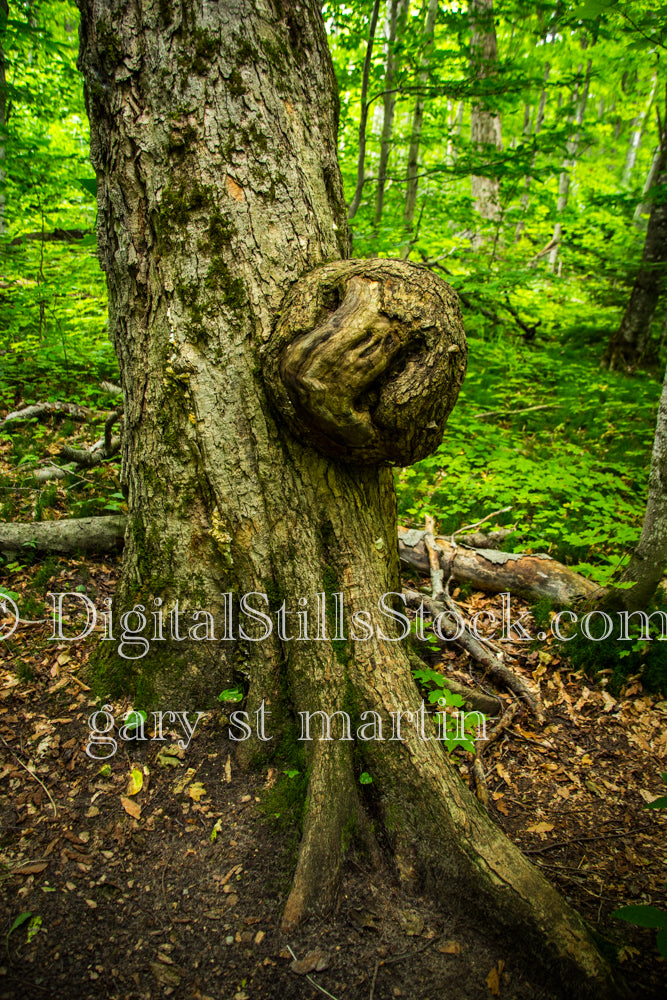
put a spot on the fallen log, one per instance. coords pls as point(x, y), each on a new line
point(529, 575)
point(533, 576)
point(79, 534)
point(46, 409)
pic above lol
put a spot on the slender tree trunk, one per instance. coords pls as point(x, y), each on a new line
point(454, 124)
point(642, 207)
point(630, 344)
point(647, 565)
point(485, 128)
point(412, 181)
point(259, 430)
point(361, 162)
point(4, 14)
point(539, 121)
point(395, 25)
point(636, 134)
point(569, 164)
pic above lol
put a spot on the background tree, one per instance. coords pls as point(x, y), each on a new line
point(631, 342)
point(218, 188)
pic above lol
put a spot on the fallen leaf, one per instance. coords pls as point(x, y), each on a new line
point(130, 807)
point(135, 782)
point(196, 791)
point(493, 978)
point(314, 961)
point(185, 779)
point(450, 948)
point(228, 770)
point(541, 828)
point(32, 868)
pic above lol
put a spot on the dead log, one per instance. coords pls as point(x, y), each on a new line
point(485, 540)
point(78, 534)
point(529, 575)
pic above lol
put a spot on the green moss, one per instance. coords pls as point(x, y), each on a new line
point(219, 278)
point(220, 231)
point(235, 84)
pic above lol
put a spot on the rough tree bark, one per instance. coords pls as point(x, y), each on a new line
point(630, 344)
point(485, 128)
point(219, 191)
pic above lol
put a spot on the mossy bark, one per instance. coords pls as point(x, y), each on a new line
point(215, 154)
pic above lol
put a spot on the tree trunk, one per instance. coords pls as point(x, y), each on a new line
point(259, 429)
point(539, 121)
point(485, 129)
point(636, 133)
point(363, 120)
point(642, 207)
point(412, 180)
point(647, 565)
point(4, 14)
point(395, 25)
point(630, 344)
point(572, 148)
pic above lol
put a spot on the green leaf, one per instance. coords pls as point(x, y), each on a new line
point(231, 694)
point(291, 773)
point(660, 803)
point(134, 719)
point(89, 184)
point(662, 942)
point(33, 927)
point(365, 778)
point(643, 916)
point(21, 919)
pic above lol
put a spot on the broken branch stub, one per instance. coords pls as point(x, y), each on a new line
point(366, 360)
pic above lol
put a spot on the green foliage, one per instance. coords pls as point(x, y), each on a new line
point(439, 693)
point(575, 474)
point(621, 659)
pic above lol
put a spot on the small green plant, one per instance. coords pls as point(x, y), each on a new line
point(231, 694)
point(33, 926)
point(645, 915)
point(365, 778)
point(441, 695)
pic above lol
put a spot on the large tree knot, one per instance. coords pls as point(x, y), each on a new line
point(366, 360)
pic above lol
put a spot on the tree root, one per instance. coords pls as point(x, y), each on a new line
point(331, 807)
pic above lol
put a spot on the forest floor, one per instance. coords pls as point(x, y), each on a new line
point(176, 888)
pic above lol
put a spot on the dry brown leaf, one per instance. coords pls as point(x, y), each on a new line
point(450, 948)
point(540, 828)
point(131, 808)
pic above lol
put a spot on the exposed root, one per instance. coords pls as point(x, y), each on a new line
point(330, 809)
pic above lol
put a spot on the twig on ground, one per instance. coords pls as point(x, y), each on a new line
point(32, 775)
point(477, 767)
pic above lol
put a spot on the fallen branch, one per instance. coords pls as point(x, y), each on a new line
point(82, 534)
point(87, 458)
point(482, 540)
point(512, 412)
point(57, 236)
point(487, 660)
point(72, 410)
point(478, 768)
point(533, 576)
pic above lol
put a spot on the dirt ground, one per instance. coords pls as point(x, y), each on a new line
point(175, 888)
